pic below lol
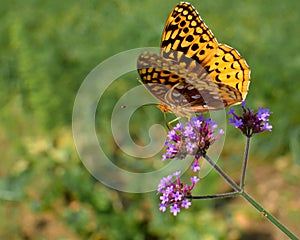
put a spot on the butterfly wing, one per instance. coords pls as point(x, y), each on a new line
point(228, 67)
point(166, 80)
point(186, 33)
point(184, 91)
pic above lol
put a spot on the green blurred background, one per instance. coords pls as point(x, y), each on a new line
point(48, 47)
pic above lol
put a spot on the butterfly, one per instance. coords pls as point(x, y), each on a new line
point(193, 73)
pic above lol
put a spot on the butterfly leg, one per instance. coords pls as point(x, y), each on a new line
point(170, 122)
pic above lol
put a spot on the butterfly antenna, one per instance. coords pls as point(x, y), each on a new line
point(147, 104)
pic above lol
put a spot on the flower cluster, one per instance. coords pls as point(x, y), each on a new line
point(174, 193)
point(251, 122)
point(192, 138)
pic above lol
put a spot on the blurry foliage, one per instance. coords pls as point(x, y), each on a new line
point(46, 50)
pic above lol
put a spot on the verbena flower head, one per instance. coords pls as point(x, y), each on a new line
point(251, 122)
point(174, 193)
point(192, 138)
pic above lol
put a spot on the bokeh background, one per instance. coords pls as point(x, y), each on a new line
point(48, 47)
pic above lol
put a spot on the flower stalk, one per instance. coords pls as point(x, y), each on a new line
point(269, 216)
point(239, 191)
point(245, 163)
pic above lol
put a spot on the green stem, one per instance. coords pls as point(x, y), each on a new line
point(245, 162)
point(268, 215)
point(240, 191)
point(219, 195)
point(223, 174)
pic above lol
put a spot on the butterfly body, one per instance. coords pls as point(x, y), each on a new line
point(193, 73)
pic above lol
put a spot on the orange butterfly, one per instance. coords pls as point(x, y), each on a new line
point(193, 73)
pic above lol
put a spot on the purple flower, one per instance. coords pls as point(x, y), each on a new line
point(263, 114)
point(251, 122)
point(192, 138)
point(236, 122)
point(194, 180)
point(195, 166)
point(162, 207)
point(175, 209)
point(186, 203)
point(174, 194)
